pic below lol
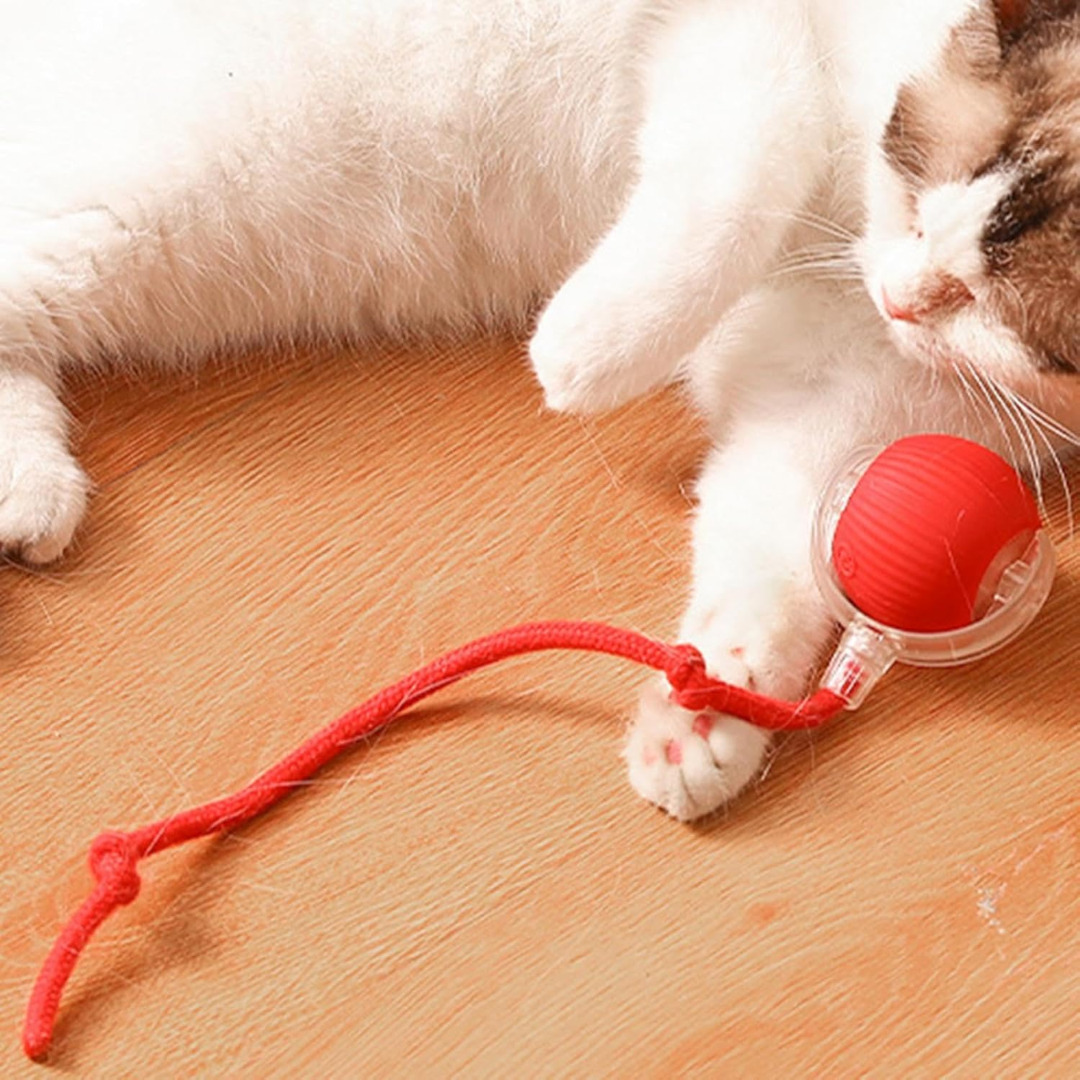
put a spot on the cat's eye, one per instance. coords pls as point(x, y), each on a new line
point(1057, 363)
point(1023, 209)
point(1007, 226)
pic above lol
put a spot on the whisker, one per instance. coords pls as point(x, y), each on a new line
point(1036, 428)
point(821, 258)
point(972, 398)
point(833, 251)
point(827, 273)
point(1024, 432)
point(1046, 420)
point(981, 385)
point(816, 221)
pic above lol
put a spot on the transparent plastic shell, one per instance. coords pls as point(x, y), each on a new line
point(869, 648)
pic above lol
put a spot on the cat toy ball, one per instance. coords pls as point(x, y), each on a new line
point(930, 553)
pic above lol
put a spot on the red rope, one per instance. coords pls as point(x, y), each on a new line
point(114, 856)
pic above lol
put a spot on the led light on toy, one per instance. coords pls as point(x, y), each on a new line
point(930, 552)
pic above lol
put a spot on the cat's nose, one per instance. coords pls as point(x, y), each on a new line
point(895, 311)
point(936, 295)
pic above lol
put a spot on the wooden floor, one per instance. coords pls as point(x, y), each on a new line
point(478, 892)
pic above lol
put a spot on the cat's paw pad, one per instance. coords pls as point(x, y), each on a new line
point(689, 763)
point(42, 500)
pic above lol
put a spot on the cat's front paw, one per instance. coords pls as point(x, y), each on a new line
point(43, 494)
point(689, 763)
point(573, 374)
point(585, 355)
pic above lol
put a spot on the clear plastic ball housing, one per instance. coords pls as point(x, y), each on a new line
point(870, 647)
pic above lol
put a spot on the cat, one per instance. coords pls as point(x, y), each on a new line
point(838, 221)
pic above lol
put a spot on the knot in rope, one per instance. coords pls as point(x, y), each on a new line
point(688, 672)
point(691, 685)
point(113, 862)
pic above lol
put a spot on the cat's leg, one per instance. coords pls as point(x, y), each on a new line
point(807, 373)
point(120, 235)
point(78, 281)
point(754, 613)
point(43, 490)
point(732, 144)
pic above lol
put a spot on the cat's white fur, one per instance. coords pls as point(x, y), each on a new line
point(185, 176)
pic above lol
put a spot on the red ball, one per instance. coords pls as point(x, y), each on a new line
point(927, 530)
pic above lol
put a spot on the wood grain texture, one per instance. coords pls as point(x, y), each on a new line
point(477, 892)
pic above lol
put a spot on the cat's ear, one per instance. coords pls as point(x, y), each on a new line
point(1016, 17)
point(1011, 17)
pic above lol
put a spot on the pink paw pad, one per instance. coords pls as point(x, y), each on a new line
point(673, 752)
point(703, 724)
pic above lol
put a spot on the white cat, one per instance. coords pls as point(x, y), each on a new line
point(686, 178)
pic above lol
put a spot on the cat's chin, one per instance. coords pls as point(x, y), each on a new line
point(933, 350)
point(922, 346)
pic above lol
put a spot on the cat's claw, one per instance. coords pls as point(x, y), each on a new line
point(689, 763)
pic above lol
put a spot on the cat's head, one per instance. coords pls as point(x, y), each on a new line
point(972, 249)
